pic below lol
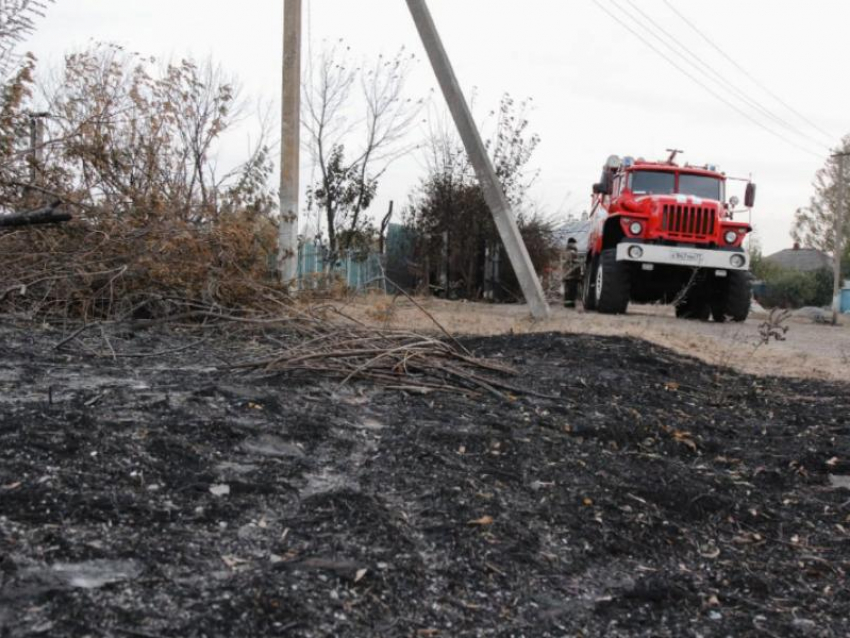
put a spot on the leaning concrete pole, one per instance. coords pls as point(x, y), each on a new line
point(290, 154)
point(493, 193)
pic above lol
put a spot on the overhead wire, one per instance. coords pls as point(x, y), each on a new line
point(718, 78)
point(702, 84)
point(749, 75)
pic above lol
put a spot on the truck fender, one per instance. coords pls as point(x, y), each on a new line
point(612, 232)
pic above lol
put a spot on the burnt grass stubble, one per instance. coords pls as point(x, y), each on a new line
point(168, 496)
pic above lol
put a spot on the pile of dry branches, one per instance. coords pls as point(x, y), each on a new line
point(397, 360)
point(311, 340)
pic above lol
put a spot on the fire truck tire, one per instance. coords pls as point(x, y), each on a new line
point(733, 301)
point(588, 285)
point(613, 283)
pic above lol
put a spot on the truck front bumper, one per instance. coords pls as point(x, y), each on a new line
point(686, 257)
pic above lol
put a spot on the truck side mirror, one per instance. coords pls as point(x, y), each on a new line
point(604, 187)
point(750, 196)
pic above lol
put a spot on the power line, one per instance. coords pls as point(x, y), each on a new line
point(702, 84)
point(747, 73)
point(718, 78)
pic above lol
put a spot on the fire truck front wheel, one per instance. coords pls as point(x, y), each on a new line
point(732, 301)
point(613, 283)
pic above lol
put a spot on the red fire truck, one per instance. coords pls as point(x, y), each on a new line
point(666, 233)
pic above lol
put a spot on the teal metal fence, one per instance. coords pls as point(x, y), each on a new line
point(358, 271)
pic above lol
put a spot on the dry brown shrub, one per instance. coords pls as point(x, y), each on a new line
point(109, 268)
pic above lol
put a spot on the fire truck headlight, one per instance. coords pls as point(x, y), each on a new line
point(636, 228)
point(731, 237)
point(635, 252)
point(738, 261)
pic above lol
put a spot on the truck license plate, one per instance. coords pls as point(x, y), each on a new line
point(686, 257)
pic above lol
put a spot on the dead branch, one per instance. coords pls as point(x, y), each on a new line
point(41, 216)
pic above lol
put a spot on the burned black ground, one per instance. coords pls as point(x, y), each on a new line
point(656, 496)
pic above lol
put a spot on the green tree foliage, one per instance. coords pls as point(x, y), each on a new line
point(754, 250)
point(814, 225)
point(793, 289)
point(345, 191)
point(450, 203)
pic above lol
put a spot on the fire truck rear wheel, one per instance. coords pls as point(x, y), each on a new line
point(613, 283)
point(732, 301)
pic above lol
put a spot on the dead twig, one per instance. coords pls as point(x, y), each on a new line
point(429, 315)
point(164, 353)
point(76, 334)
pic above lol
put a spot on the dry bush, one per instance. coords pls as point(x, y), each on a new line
point(111, 269)
point(131, 148)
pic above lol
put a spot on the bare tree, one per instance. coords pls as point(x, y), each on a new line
point(454, 224)
point(357, 119)
point(17, 21)
point(141, 138)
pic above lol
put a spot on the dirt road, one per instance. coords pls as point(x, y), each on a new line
point(810, 351)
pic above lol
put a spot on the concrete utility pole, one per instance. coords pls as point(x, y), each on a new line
point(838, 239)
point(290, 142)
point(493, 193)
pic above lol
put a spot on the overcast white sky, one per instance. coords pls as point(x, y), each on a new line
point(597, 89)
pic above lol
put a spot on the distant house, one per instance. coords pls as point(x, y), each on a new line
point(801, 259)
point(574, 229)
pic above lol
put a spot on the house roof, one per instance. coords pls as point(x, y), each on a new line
point(575, 229)
point(801, 259)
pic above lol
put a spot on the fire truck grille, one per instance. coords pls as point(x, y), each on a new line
point(689, 222)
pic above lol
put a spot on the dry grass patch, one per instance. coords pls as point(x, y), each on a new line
point(810, 351)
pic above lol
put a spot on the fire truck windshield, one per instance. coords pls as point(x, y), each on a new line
point(652, 183)
point(701, 186)
point(664, 183)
